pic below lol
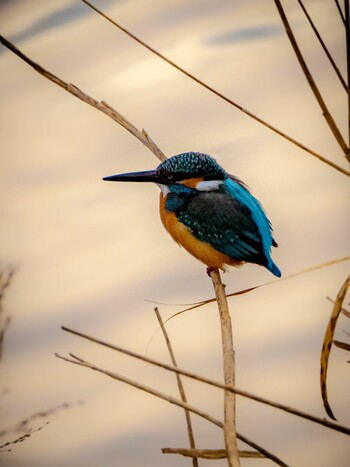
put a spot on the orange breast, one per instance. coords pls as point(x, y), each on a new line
point(200, 250)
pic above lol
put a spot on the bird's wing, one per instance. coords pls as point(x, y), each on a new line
point(226, 224)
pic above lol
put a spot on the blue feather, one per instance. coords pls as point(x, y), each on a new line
point(238, 191)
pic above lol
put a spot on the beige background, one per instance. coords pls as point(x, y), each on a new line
point(90, 253)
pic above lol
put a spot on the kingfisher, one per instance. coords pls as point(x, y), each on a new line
point(209, 212)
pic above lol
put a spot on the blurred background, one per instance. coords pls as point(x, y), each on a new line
point(89, 253)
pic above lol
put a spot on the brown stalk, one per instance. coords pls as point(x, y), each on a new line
point(342, 345)
point(229, 370)
point(343, 310)
point(329, 119)
point(340, 11)
point(211, 382)
point(217, 93)
point(250, 289)
point(324, 47)
point(102, 106)
point(172, 400)
point(327, 344)
point(6, 275)
point(211, 453)
point(179, 384)
point(142, 135)
point(347, 32)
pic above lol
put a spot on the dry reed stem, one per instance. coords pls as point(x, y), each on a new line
point(212, 454)
point(189, 374)
point(342, 345)
point(327, 344)
point(340, 11)
point(343, 310)
point(143, 136)
point(172, 400)
point(217, 93)
point(6, 275)
point(347, 32)
point(102, 106)
point(179, 384)
point(329, 119)
point(195, 305)
point(20, 439)
point(229, 370)
point(24, 425)
point(324, 47)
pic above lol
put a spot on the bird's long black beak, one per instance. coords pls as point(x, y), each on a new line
point(147, 176)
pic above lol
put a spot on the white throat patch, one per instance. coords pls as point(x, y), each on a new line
point(209, 185)
point(164, 189)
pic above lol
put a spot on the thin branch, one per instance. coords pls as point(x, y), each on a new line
point(324, 47)
point(6, 275)
point(250, 289)
point(340, 11)
point(172, 400)
point(229, 370)
point(102, 106)
point(3, 330)
point(327, 344)
point(217, 93)
point(329, 119)
point(189, 374)
point(244, 291)
point(143, 136)
point(211, 454)
point(343, 310)
point(179, 384)
point(20, 439)
point(24, 425)
point(342, 345)
point(347, 29)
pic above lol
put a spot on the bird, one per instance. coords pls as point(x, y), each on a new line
point(209, 212)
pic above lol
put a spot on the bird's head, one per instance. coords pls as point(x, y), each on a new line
point(193, 169)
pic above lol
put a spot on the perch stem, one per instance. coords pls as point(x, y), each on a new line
point(229, 370)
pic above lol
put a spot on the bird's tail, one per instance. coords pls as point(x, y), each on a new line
point(274, 269)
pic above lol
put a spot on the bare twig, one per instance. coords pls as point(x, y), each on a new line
point(217, 93)
point(6, 275)
point(179, 384)
point(210, 453)
point(172, 400)
point(229, 370)
point(327, 344)
point(342, 345)
point(3, 330)
point(189, 374)
point(340, 11)
point(347, 32)
point(24, 425)
point(324, 47)
point(20, 439)
point(143, 136)
point(329, 119)
point(343, 310)
point(102, 106)
point(250, 289)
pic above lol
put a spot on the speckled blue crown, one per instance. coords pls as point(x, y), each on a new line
point(192, 165)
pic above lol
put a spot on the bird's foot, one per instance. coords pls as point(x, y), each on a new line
point(210, 270)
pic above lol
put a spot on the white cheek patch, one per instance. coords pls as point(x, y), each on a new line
point(164, 189)
point(209, 185)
